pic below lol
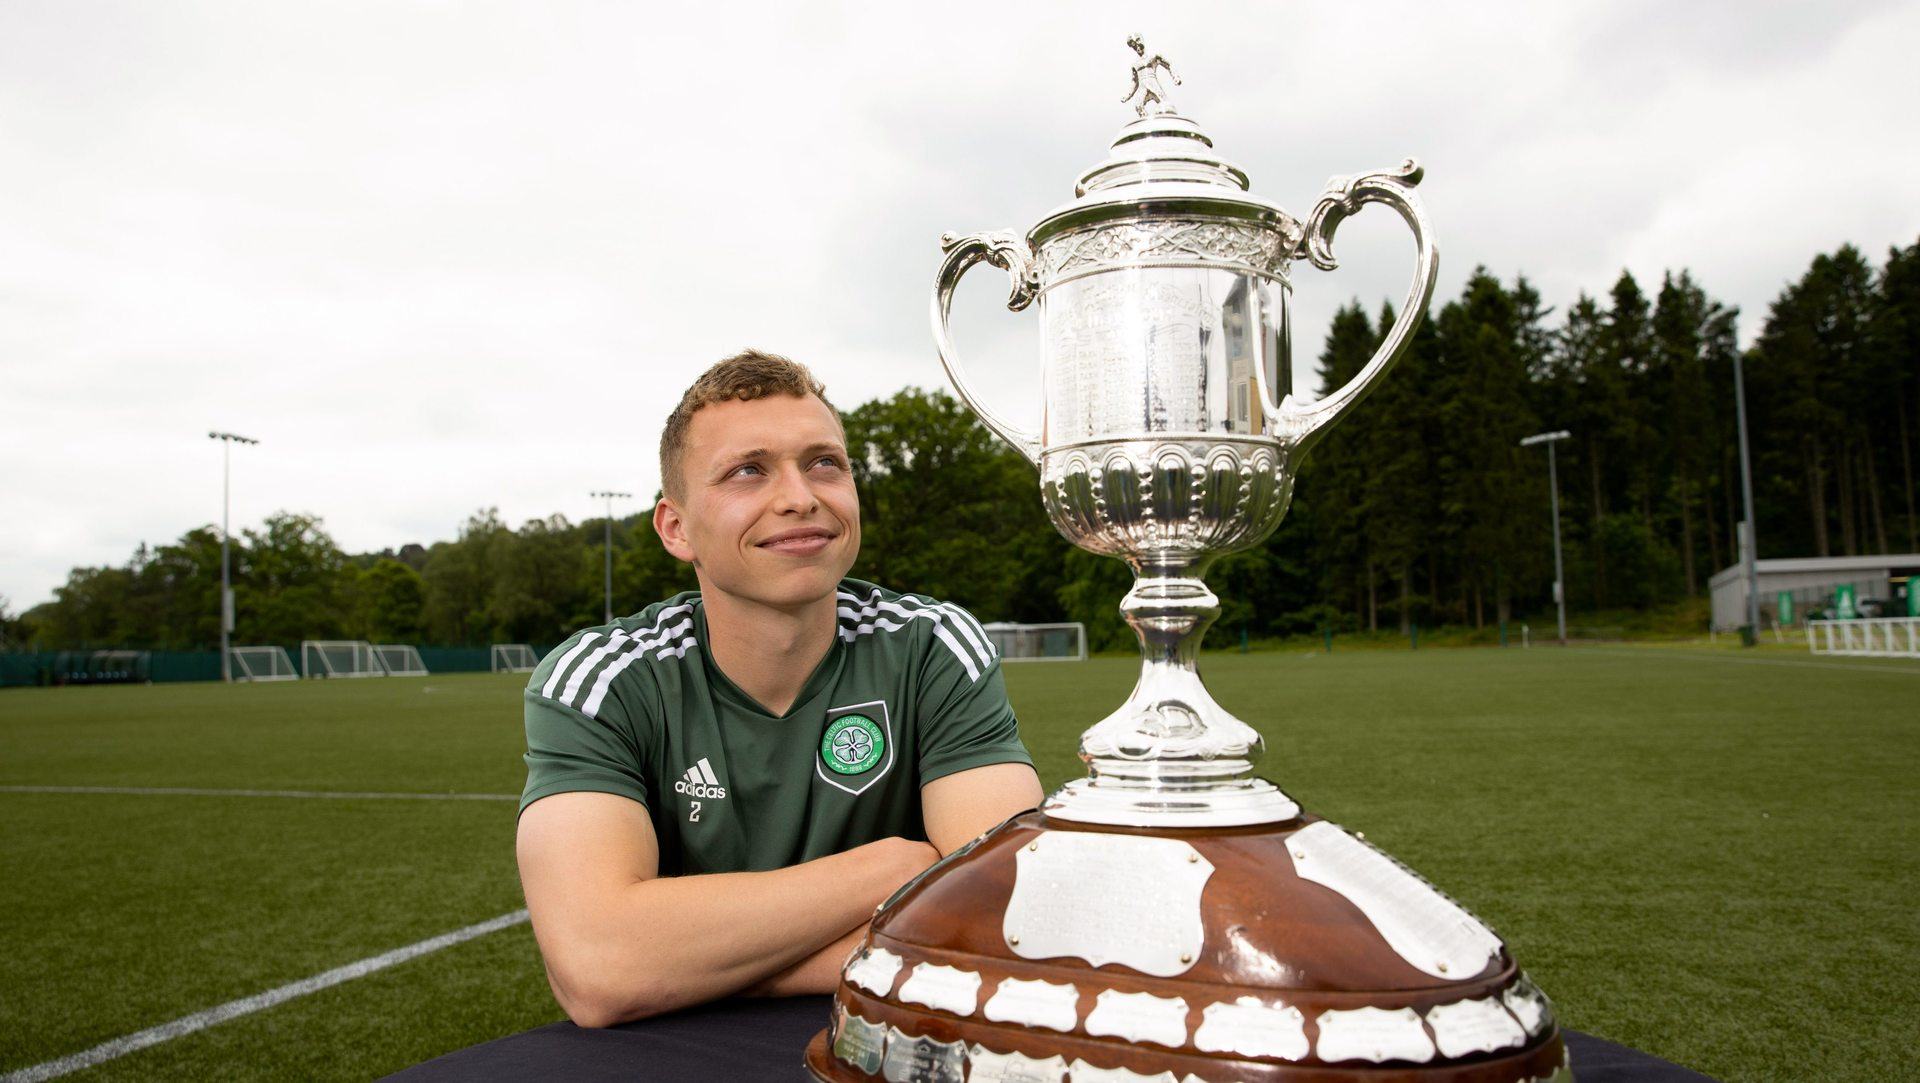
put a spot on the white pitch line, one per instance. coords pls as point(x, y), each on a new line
point(184, 1025)
point(338, 795)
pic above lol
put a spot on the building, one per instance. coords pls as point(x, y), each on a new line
point(1881, 585)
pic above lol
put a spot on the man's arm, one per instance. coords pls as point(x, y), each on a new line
point(957, 808)
point(621, 942)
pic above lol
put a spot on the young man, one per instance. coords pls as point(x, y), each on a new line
point(722, 788)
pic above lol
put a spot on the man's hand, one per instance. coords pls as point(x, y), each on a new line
point(621, 942)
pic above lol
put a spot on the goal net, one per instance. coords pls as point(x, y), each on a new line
point(262, 664)
point(1866, 637)
point(513, 658)
point(1038, 642)
point(339, 658)
point(400, 660)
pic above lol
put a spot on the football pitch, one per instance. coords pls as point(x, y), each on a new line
point(1706, 854)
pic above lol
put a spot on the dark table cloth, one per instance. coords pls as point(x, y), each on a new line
point(763, 1040)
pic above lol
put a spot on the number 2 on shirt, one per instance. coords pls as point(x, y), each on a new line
point(693, 814)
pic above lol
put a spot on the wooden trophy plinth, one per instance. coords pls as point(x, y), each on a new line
point(1063, 951)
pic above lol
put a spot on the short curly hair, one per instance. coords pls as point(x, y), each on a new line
point(747, 375)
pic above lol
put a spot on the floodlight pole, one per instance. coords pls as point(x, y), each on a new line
point(227, 440)
point(1751, 557)
point(610, 496)
point(1553, 484)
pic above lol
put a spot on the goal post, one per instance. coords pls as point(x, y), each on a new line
point(513, 658)
point(339, 658)
point(1062, 642)
point(262, 664)
point(399, 660)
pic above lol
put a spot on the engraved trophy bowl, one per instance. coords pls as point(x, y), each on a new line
point(1172, 918)
point(1167, 438)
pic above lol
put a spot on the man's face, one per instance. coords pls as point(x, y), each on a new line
point(768, 510)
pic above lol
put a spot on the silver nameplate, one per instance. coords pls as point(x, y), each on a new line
point(1252, 1028)
point(1034, 1004)
point(1126, 899)
point(1473, 1026)
point(923, 1060)
point(1082, 1072)
point(1139, 1017)
point(860, 1043)
point(1374, 1034)
point(1528, 1004)
point(1427, 929)
point(986, 1066)
point(947, 988)
point(874, 971)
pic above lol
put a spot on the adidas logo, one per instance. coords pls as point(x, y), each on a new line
point(699, 782)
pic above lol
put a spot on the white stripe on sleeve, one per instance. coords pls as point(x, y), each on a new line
point(553, 680)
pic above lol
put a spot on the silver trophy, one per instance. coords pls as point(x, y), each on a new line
point(1172, 917)
point(1167, 436)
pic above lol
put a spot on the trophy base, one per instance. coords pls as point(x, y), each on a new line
point(1287, 952)
point(1239, 803)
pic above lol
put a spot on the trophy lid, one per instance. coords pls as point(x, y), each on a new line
point(1161, 163)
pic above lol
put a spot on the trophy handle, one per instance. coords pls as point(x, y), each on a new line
point(1008, 252)
point(1344, 197)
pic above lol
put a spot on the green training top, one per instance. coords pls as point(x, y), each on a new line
point(909, 692)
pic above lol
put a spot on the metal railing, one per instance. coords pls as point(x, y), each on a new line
point(1870, 637)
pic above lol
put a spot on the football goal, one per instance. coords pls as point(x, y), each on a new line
point(513, 658)
point(399, 660)
point(1866, 637)
point(262, 664)
point(339, 658)
point(1038, 642)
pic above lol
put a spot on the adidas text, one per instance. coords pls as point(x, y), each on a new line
point(699, 789)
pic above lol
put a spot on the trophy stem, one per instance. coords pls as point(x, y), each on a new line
point(1171, 755)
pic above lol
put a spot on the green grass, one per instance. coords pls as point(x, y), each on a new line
point(1703, 853)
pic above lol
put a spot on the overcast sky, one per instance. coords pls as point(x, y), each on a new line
point(443, 256)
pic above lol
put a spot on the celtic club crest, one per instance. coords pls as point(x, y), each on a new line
point(857, 746)
point(853, 745)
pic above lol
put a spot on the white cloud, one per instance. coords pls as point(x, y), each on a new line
point(444, 256)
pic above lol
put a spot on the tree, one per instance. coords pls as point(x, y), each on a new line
point(390, 597)
point(1334, 473)
point(15, 630)
point(288, 584)
point(1486, 490)
point(1894, 351)
point(947, 509)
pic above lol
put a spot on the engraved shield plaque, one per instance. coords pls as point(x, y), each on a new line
point(947, 988)
point(923, 1060)
point(1107, 898)
point(1374, 1034)
point(986, 1066)
point(860, 1043)
point(1035, 1004)
point(1252, 1028)
point(875, 970)
point(1473, 1026)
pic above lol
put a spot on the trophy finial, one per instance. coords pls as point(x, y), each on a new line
point(1146, 80)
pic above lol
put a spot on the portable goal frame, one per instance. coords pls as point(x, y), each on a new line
point(1060, 642)
point(399, 659)
point(268, 663)
point(512, 658)
point(339, 658)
